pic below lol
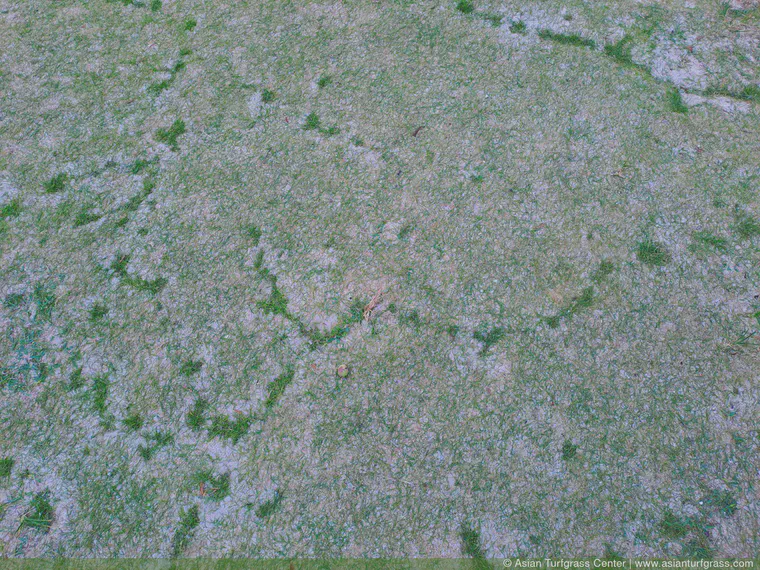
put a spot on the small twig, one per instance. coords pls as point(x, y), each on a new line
point(417, 130)
point(371, 305)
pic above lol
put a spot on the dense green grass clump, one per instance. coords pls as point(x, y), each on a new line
point(268, 508)
point(652, 253)
point(566, 39)
point(169, 136)
point(188, 521)
point(42, 513)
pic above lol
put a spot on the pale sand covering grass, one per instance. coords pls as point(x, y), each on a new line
point(529, 230)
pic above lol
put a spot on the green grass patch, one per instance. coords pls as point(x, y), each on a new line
point(196, 417)
point(621, 52)
point(340, 330)
point(44, 298)
point(154, 442)
point(99, 394)
point(85, 217)
point(157, 88)
point(8, 377)
point(188, 521)
point(713, 241)
point(749, 93)
point(141, 164)
point(6, 466)
point(133, 422)
point(42, 513)
point(267, 96)
point(324, 81)
point(723, 501)
point(254, 234)
point(518, 27)
point(706, 243)
point(276, 304)
point(189, 24)
point(675, 101)
point(76, 380)
point(152, 286)
point(169, 136)
point(566, 39)
point(56, 184)
point(494, 19)
point(673, 527)
point(605, 269)
point(652, 253)
point(488, 338)
point(465, 6)
point(569, 450)
point(746, 226)
point(190, 367)
point(13, 300)
point(134, 202)
point(11, 210)
point(216, 487)
point(225, 428)
point(472, 546)
point(410, 318)
point(119, 264)
point(97, 312)
point(577, 303)
point(584, 300)
point(258, 262)
point(699, 549)
point(276, 388)
point(268, 508)
point(312, 122)
point(155, 5)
